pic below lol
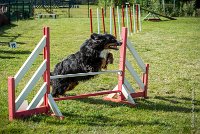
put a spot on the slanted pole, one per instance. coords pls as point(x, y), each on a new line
point(122, 61)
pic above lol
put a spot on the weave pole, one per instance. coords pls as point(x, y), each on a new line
point(98, 21)
point(110, 20)
point(118, 20)
point(123, 24)
point(137, 18)
point(91, 25)
point(127, 21)
point(115, 29)
point(103, 22)
point(130, 15)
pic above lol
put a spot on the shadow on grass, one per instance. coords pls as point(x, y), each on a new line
point(12, 37)
point(14, 52)
point(170, 104)
point(7, 57)
point(102, 120)
point(10, 54)
point(146, 104)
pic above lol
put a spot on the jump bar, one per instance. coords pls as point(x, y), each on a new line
point(84, 74)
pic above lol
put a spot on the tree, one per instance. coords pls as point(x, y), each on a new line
point(197, 4)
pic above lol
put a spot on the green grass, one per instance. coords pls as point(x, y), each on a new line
point(170, 47)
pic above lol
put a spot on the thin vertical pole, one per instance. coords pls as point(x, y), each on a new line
point(110, 20)
point(11, 96)
point(98, 22)
point(88, 9)
point(137, 17)
point(130, 15)
point(127, 23)
point(134, 18)
point(115, 30)
point(122, 61)
point(91, 26)
point(145, 80)
point(47, 72)
point(119, 27)
point(123, 25)
point(140, 22)
point(103, 22)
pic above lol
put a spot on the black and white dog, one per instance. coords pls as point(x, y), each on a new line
point(87, 59)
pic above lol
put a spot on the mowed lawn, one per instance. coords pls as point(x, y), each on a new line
point(172, 48)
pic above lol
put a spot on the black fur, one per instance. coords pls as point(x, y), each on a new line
point(87, 59)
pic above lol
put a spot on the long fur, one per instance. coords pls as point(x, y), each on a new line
point(87, 59)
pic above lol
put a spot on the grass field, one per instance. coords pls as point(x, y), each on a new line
point(172, 48)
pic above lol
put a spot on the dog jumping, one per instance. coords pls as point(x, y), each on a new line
point(88, 59)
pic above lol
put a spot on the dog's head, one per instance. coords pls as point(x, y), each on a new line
point(105, 41)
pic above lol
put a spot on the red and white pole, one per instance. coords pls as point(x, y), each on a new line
point(46, 75)
point(122, 61)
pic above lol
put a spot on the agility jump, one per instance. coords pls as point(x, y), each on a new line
point(122, 93)
point(131, 16)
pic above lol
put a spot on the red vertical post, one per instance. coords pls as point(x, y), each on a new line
point(103, 22)
point(115, 29)
point(130, 13)
point(11, 98)
point(47, 72)
point(137, 18)
point(91, 26)
point(122, 61)
point(146, 80)
point(123, 25)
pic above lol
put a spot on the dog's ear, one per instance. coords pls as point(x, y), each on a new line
point(95, 36)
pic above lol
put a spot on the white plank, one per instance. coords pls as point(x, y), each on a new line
point(23, 106)
point(127, 95)
point(134, 74)
point(84, 74)
point(53, 106)
point(25, 67)
point(40, 94)
point(136, 56)
point(31, 83)
point(128, 85)
point(113, 94)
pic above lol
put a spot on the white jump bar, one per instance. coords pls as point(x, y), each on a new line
point(84, 74)
point(136, 56)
